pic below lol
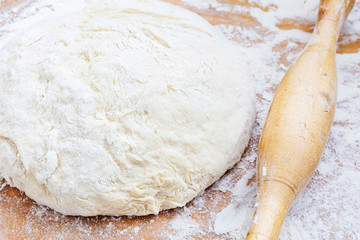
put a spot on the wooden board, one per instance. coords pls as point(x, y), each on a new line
point(21, 218)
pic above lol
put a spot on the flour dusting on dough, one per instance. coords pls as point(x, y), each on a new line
point(121, 107)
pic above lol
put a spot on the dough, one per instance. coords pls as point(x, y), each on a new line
point(121, 108)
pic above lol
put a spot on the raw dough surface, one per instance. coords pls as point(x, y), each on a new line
point(121, 108)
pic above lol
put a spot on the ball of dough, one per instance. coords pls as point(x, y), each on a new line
point(122, 108)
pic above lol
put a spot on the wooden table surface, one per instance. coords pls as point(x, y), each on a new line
point(22, 218)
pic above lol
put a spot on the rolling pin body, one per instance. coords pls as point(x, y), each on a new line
point(298, 123)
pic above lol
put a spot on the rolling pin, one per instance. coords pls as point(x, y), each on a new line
point(298, 123)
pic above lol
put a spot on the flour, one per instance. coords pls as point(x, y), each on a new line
point(237, 217)
point(326, 209)
point(307, 218)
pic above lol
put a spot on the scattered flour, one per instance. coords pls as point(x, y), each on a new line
point(136, 230)
point(319, 212)
point(327, 208)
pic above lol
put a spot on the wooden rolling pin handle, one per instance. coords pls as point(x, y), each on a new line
point(298, 123)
